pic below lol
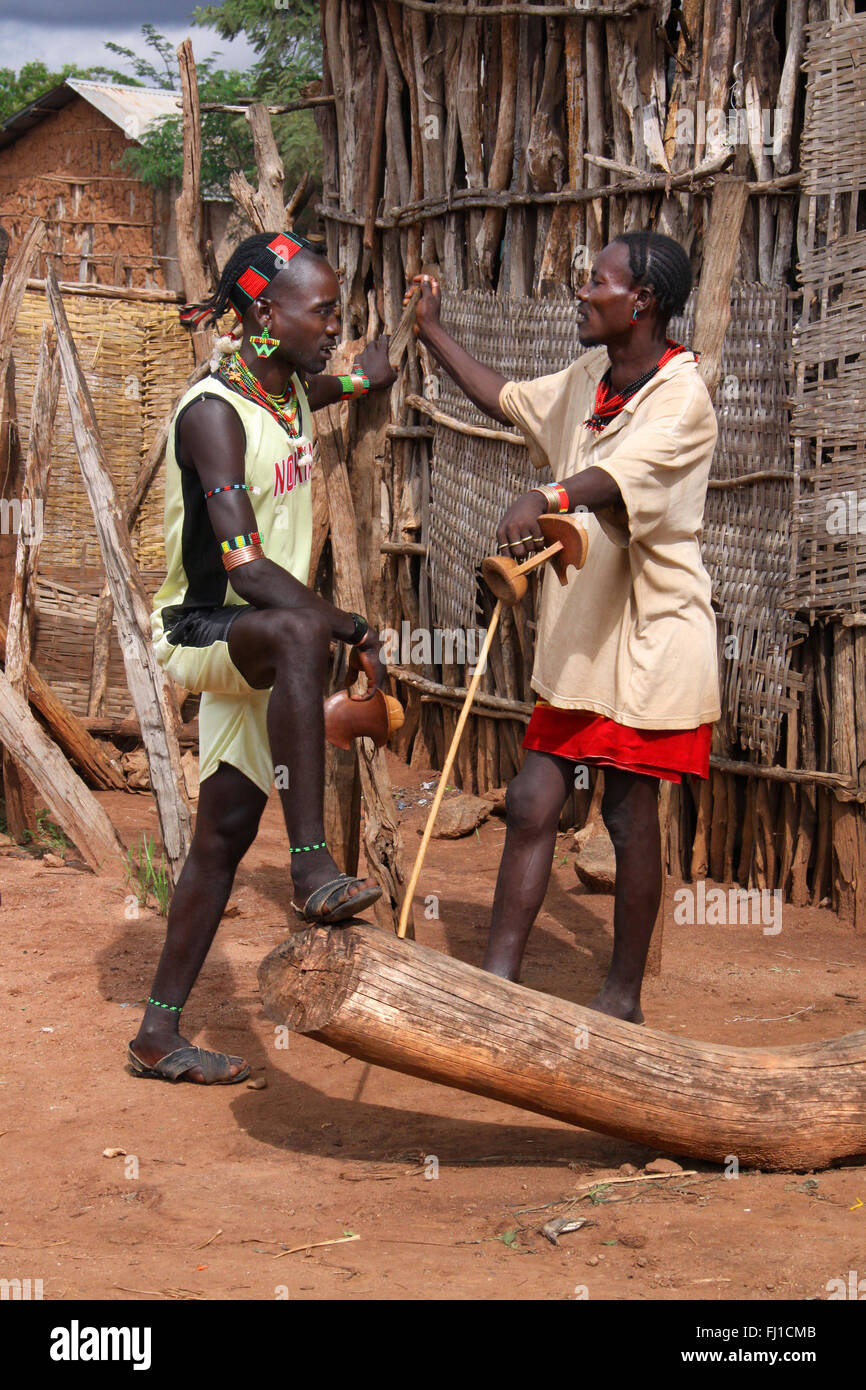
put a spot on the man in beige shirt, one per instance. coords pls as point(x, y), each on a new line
point(625, 664)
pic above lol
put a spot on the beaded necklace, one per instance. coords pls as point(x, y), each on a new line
point(284, 408)
point(608, 406)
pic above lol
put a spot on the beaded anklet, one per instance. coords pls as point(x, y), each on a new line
point(172, 1008)
point(301, 848)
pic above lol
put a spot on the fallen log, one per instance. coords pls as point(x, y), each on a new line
point(414, 1010)
point(70, 732)
point(70, 801)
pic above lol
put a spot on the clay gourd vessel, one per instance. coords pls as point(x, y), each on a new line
point(348, 716)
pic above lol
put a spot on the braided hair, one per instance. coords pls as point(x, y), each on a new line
point(254, 253)
point(661, 264)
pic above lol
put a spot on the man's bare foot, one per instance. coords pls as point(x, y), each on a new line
point(313, 869)
point(151, 1045)
point(616, 1005)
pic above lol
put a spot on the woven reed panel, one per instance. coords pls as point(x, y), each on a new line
point(746, 542)
point(135, 357)
point(828, 424)
point(833, 143)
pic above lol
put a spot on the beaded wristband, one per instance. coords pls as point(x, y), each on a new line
point(238, 542)
point(554, 495)
point(357, 385)
point(244, 556)
point(226, 487)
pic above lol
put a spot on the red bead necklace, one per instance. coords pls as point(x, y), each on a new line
point(608, 406)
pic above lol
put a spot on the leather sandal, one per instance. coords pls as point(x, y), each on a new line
point(215, 1066)
point(314, 909)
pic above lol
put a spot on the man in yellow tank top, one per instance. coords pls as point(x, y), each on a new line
point(236, 621)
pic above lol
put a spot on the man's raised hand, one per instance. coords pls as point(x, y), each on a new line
point(429, 303)
point(374, 364)
point(367, 657)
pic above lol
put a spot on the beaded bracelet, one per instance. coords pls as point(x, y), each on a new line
point(238, 542)
point(356, 385)
point(244, 556)
point(226, 487)
point(554, 495)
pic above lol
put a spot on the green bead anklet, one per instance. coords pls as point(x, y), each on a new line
point(301, 848)
point(172, 1008)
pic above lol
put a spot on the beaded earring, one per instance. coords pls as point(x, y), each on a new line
point(633, 316)
point(264, 344)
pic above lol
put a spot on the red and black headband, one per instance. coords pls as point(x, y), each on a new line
point(265, 264)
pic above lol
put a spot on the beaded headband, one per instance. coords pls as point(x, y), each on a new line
point(266, 264)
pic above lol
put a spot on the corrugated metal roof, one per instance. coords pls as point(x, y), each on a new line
point(133, 109)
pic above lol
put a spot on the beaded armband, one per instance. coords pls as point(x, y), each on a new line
point(238, 542)
point(241, 550)
point(226, 487)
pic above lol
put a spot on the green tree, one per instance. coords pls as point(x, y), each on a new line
point(145, 71)
point(287, 41)
point(18, 89)
point(288, 48)
point(285, 37)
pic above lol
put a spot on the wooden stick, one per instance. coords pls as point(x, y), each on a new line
point(105, 607)
point(446, 770)
point(188, 208)
point(111, 292)
point(382, 841)
point(12, 293)
point(129, 727)
point(494, 702)
point(459, 426)
point(20, 812)
point(263, 207)
point(694, 180)
point(568, 12)
point(241, 108)
point(376, 153)
point(402, 335)
point(713, 306)
point(148, 683)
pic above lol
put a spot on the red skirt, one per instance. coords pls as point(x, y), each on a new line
point(582, 736)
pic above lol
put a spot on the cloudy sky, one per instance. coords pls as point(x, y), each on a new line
point(49, 32)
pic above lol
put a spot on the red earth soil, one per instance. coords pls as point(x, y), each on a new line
point(224, 1193)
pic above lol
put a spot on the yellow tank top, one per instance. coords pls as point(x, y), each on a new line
point(277, 471)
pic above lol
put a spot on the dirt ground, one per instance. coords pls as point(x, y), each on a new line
point(220, 1191)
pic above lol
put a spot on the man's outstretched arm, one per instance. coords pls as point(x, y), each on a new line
point(372, 363)
point(481, 384)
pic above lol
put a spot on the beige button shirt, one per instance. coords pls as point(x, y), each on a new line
point(632, 635)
